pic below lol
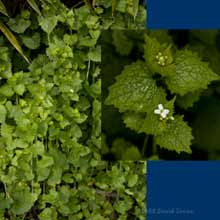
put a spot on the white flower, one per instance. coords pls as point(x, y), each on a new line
point(162, 111)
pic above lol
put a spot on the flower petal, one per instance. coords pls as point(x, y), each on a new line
point(160, 107)
point(157, 111)
point(163, 115)
point(166, 111)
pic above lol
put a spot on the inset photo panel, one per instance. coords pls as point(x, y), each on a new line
point(160, 94)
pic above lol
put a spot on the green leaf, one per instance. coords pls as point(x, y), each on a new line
point(95, 54)
point(119, 145)
point(122, 43)
point(6, 131)
point(191, 74)
point(18, 24)
point(176, 137)
point(19, 89)
point(158, 57)
point(134, 120)
point(153, 125)
point(32, 42)
point(3, 113)
point(19, 143)
point(6, 90)
point(48, 23)
point(5, 203)
point(23, 201)
point(188, 99)
point(46, 161)
point(122, 206)
point(162, 36)
point(135, 90)
point(48, 214)
point(132, 153)
point(132, 180)
point(37, 148)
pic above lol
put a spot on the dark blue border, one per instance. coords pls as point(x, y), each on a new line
point(183, 14)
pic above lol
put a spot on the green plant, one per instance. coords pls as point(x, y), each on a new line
point(157, 89)
point(50, 120)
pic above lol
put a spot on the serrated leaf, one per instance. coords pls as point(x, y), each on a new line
point(48, 23)
point(6, 90)
point(162, 36)
point(13, 40)
point(122, 206)
point(188, 99)
point(37, 148)
point(6, 131)
point(5, 203)
point(46, 161)
point(153, 125)
point(18, 24)
point(23, 201)
point(191, 74)
point(135, 90)
point(19, 89)
point(153, 49)
point(95, 54)
point(177, 136)
point(48, 214)
point(132, 180)
point(134, 120)
point(32, 42)
point(19, 143)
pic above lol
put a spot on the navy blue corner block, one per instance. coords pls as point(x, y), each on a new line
point(183, 14)
point(179, 190)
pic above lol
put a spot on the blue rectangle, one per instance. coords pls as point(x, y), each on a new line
point(183, 190)
point(183, 14)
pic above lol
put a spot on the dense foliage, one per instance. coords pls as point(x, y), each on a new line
point(164, 87)
point(50, 114)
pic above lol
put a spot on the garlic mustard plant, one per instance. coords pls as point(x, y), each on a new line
point(171, 78)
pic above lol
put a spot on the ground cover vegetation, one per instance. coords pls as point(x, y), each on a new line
point(50, 113)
